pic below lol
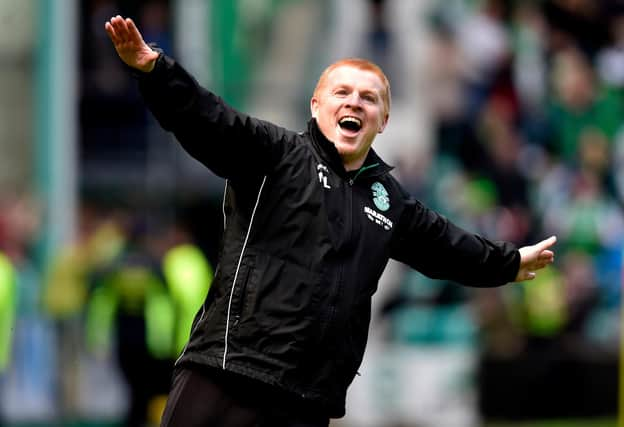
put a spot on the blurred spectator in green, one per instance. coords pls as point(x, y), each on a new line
point(535, 144)
point(28, 390)
point(142, 306)
point(7, 313)
point(587, 218)
point(189, 275)
point(7, 309)
point(124, 292)
point(100, 238)
point(580, 105)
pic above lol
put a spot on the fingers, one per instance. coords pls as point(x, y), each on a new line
point(543, 259)
point(543, 256)
point(123, 27)
point(546, 256)
point(534, 258)
point(114, 31)
point(118, 28)
point(547, 243)
point(133, 32)
point(525, 275)
point(111, 33)
point(542, 263)
point(122, 30)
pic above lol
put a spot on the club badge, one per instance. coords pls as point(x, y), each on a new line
point(380, 197)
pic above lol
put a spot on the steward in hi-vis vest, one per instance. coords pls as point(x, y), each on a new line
point(188, 274)
point(7, 309)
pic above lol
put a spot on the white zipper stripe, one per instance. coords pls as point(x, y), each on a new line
point(203, 305)
point(240, 259)
point(223, 205)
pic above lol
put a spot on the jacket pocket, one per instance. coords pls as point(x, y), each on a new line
point(280, 310)
point(240, 297)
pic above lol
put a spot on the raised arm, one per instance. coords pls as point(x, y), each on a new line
point(230, 143)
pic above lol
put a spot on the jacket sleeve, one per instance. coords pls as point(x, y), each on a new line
point(431, 244)
point(228, 142)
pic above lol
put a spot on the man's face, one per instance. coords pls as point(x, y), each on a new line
point(349, 110)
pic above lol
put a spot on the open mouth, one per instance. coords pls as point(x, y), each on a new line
point(352, 124)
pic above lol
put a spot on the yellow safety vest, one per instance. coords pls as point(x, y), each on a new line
point(7, 309)
point(132, 289)
point(168, 309)
point(189, 275)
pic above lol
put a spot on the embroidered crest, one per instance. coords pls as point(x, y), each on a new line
point(380, 196)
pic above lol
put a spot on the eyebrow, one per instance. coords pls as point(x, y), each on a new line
point(369, 92)
point(350, 87)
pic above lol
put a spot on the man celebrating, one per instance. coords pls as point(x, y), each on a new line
point(311, 219)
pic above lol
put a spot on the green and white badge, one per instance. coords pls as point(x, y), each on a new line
point(380, 196)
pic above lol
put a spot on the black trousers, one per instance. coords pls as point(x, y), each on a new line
point(211, 398)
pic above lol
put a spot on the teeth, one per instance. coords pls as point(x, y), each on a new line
point(352, 120)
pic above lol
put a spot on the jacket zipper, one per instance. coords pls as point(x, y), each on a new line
point(243, 290)
point(240, 259)
point(360, 170)
point(223, 205)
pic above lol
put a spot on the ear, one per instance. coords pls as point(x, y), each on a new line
point(383, 123)
point(314, 107)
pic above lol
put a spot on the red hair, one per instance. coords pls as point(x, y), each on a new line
point(360, 64)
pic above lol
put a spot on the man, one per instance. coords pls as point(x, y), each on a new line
point(311, 220)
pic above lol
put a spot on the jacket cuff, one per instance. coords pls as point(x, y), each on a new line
point(163, 63)
point(514, 266)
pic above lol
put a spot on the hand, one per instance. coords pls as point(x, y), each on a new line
point(130, 45)
point(534, 258)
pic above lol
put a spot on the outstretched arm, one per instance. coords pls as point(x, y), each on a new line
point(130, 45)
point(228, 142)
point(433, 245)
point(534, 258)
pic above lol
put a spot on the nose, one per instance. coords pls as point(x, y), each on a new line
point(354, 100)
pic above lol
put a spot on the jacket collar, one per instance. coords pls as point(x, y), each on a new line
point(373, 164)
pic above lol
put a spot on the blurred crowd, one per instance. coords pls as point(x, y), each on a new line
point(94, 333)
point(526, 101)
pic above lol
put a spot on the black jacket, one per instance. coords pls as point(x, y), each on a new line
point(304, 244)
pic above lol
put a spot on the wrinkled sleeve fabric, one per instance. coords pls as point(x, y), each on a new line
point(433, 245)
point(228, 142)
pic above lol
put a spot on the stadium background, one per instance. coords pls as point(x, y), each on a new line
point(507, 117)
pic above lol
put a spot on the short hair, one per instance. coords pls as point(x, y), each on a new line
point(360, 64)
